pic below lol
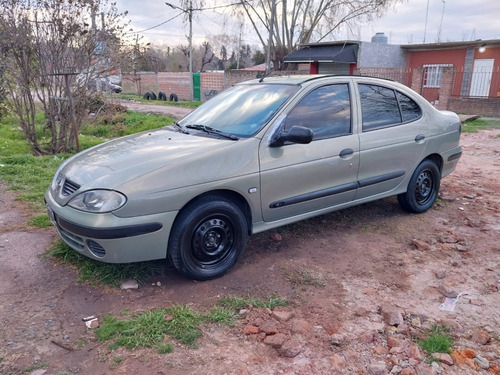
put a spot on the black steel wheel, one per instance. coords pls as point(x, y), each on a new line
point(423, 188)
point(208, 238)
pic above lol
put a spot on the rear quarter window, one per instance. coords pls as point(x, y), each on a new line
point(382, 107)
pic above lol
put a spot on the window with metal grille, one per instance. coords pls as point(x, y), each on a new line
point(433, 74)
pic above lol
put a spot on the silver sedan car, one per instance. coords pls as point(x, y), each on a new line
point(262, 154)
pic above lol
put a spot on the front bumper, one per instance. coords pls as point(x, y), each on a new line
point(109, 238)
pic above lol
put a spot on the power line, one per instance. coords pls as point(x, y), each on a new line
point(154, 27)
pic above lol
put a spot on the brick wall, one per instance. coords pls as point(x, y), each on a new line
point(475, 106)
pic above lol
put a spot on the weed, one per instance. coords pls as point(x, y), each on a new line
point(36, 366)
point(117, 360)
point(104, 273)
point(80, 343)
point(437, 340)
point(303, 277)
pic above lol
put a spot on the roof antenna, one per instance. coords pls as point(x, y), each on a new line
point(267, 73)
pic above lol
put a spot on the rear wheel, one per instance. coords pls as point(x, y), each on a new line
point(208, 238)
point(423, 188)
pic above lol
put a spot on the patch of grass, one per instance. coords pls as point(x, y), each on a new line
point(479, 124)
point(149, 329)
point(124, 123)
point(104, 273)
point(303, 277)
point(237, 303)
point(437, 340)
point(36, 366)
point(40, 221)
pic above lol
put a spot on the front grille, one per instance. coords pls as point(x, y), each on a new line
point(69, 187)
point(96, 249)
point(72, 240)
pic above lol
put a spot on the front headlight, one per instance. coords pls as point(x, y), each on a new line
point(98, 201)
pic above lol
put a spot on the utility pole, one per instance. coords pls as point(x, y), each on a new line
point(189, 12)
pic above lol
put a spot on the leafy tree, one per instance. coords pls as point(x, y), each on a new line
point(52, 49)
point(258, 58)
point(304, 21)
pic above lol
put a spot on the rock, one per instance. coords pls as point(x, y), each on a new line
point(269, 327)
point(413, 352)
point(337, 339)
point(447, 291)
point(276, 237)
point(480, 337)
point(129, 284)
point(469, 353)
point(408, 371)
point(299, 326)
point(443, 358)
point(290, 348)
point(250, 330)
point(396, 370)
point(380, 350)
point(482, 362)
point(377, 370)
point(276, 341)
point(38, 372)
point(440, 274)
point(403, 329)
point(421, 245)
point(282, 316)
point(423, 369)
point(367, 337)
point(337, 361)
point(392, 317)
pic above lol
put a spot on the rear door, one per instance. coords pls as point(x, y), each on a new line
point(298, 179)
point(393, 135)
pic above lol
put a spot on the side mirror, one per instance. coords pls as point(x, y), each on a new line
point(296, 134)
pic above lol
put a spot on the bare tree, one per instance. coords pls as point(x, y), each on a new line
point(53, 48)
point(304, 21)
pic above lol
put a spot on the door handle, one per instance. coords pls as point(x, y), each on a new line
point(346, 152)
point(419, 138)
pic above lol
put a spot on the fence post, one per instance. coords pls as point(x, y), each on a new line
point(417, 80)
point(446, 87)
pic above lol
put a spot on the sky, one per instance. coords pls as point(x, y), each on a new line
point(404, 23)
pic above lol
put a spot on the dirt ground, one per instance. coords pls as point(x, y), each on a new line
point(363, 284)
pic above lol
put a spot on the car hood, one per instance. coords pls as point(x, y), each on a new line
point(157, 160)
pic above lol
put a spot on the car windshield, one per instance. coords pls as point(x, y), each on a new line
point(241, 110)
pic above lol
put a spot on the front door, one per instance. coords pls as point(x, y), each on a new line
point(481, 77)
point(298, 179)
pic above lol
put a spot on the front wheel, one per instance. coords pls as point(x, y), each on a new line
point(208, 238)
point(423, 188)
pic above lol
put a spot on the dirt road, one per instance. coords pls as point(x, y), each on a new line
point(363, 283)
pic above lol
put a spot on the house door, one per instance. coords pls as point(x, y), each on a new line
point(481, 77)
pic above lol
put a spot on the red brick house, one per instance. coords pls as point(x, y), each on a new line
point(476, 72)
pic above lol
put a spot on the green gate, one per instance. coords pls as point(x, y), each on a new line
point(196, 86)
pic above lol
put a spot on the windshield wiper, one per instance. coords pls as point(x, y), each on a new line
point(210, 130)
point(178, 127)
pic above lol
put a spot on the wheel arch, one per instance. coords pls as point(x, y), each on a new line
point(436, 158)
point(229, 195)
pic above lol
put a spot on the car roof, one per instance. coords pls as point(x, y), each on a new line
point(291, 79)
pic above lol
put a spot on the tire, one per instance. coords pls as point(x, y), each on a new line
point(174, 98)
point(150, 95)
point(162, 96)
point(423, 188)
point(208, 238)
